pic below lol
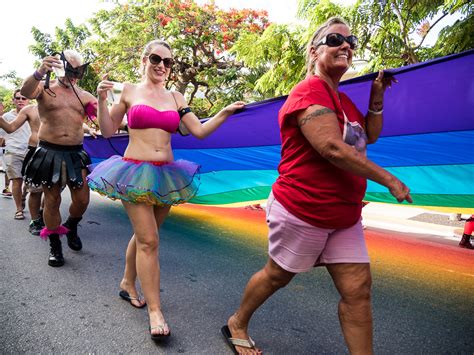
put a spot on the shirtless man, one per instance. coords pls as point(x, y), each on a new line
point(29, 114)
point(60, 159)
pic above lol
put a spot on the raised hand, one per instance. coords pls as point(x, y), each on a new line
point(49, 63)
point(103, 87)
point(381, 82)
point(379, 85)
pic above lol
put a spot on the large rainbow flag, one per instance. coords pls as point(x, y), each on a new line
point(427, 140)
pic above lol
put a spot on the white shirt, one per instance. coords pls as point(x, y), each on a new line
point(16, 142)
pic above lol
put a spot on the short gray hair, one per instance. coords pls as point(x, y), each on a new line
point(72, 54)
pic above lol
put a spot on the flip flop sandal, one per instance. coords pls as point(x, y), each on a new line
point(126, 296)
point(233, 342)
point(19, 215)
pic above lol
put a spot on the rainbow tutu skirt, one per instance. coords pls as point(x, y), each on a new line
point(152, 183)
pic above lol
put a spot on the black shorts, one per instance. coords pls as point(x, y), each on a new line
point(51, 164)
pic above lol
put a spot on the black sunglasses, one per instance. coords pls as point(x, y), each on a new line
point(336, 39)
point(20, 98)
point(156, 59)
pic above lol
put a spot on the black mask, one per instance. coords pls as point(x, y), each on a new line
point(71, 72)
point(78, 72)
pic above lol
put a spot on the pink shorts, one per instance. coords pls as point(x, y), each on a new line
point(297, 246)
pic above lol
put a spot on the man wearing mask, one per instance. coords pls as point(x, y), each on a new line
point(60, 159)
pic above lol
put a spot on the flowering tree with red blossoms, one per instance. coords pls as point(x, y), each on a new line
point(200, 37)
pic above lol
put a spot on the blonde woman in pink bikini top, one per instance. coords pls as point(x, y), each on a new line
point(148, 180)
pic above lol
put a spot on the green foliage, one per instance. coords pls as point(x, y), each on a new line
point(386, 31)
point(281, 51)
point(12, 78)
point(316, 12)
point(227, 55)
point(71, 37)
point(393, 32)
point(6, 96)
point(199, 35)
point(457, 37)
point(278, 54)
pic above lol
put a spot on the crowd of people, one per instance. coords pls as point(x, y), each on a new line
point(324, 138)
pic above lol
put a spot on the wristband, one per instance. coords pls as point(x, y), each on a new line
point(37, 75)
point(184, 111)
point(379, 112)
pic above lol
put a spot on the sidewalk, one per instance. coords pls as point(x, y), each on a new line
point(401, 218)
point(411, 220)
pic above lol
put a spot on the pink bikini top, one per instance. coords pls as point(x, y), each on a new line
point(144, 116)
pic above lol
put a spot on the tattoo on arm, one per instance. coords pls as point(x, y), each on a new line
point(315, 114)
point(376, 105)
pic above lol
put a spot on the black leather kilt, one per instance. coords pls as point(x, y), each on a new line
point(29, 154)
point(50, 164)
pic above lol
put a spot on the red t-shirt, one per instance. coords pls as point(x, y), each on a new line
point(309, 186)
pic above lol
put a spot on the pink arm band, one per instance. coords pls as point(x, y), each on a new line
point(91, 111)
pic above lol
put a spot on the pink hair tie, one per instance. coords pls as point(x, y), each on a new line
point(45, 232)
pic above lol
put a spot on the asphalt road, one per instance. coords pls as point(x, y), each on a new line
point(76, 308)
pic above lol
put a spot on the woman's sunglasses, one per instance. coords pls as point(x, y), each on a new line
point(336, 39)
point(156, 59)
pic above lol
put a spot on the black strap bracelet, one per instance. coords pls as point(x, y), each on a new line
point(184, 111)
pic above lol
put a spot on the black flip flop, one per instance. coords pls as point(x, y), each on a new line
point(126, 296)
point(233, 342)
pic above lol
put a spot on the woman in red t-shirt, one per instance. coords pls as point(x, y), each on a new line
point(314, 210)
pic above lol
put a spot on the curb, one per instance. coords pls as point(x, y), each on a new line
point(399, 218)
point(407, 226)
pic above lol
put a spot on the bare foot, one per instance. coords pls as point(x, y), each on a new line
point(132, 291)
point(158, 325)
point(239, 331)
